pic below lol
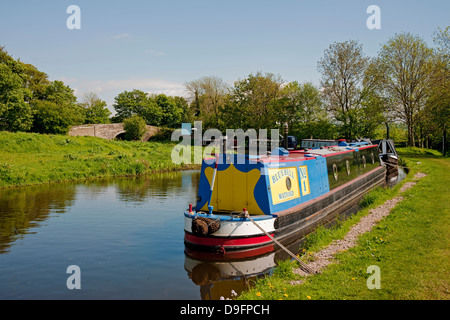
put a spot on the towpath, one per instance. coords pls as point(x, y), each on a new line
point(325, 256)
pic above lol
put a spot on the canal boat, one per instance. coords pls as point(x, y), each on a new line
point(248, 202)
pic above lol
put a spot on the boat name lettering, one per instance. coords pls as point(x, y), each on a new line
point(285, 195)
point(281, 173)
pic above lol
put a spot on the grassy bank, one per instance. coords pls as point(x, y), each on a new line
point(410, 246)
point(28, 158)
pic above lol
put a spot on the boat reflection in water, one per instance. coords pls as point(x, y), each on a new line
point(225, 275)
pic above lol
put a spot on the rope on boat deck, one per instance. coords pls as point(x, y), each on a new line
point(303, 265)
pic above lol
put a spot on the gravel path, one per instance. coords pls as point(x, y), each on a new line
point(326, 256)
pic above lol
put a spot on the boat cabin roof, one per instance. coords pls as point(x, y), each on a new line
point(283, 155)
point(309, 154)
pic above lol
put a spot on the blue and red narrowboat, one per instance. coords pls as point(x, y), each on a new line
point(244, 201)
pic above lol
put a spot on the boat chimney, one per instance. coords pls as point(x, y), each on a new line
point(286, 130)
point(387, 131)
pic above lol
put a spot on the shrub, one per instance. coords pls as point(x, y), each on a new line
point(135, 127)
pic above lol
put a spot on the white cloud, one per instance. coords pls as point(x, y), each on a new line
point(155, 53)
point(108, 90)
point(121, 36)
point(144, 84)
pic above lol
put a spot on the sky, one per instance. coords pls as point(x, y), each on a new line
point(158, 46)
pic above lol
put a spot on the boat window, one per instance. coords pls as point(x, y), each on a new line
point(335, 171)
point(288, 183)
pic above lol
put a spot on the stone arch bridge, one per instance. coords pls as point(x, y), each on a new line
point(107, 131)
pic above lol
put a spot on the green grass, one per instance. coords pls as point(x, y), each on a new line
point(29, 158)
point(414, 151)
point(410, 246)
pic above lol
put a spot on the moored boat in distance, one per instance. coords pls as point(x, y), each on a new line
point(245, 202)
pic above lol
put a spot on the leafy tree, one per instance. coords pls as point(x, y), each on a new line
point(183, 104)
point(171, 111)
point(371, 114)
point(401, 75)
point(342, 68)
point(302, 108)
point(51, 118)
point(208, 96)
point(129, 103)
point(136, 102)
point(95, 109)
point(15, 113)
point(58, 110)
point(15, 66)
point(35, 81)
point(135, 127)
point(253, 102)
point(437, 108)
point(194, 88)
point(441, 38)
point(59, 93)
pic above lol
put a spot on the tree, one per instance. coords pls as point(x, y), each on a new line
point(29, 101)
point(57, 111)
point(171, 110)
point(438, 101)
point(95, 109)
point(254, 103)
point(441, 38)
point(59, 93)
point(194, 88)
point(371, 114)
point(136, 102)
point(35, 81)
point(183, 104)
point(302, 108)
point(342, 68)
point(135, 127)
point(51, 118)
point(208, 96)
point(15, 113)
point(129, 103)
point(401, 75)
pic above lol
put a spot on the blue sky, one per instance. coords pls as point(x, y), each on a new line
point(157, 46)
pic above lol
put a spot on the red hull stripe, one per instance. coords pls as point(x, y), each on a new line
point(226, 242)
point(230, 255)
point(367, 147)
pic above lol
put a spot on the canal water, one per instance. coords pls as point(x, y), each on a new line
point(124, 235)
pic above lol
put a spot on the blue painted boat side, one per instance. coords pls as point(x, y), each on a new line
point(274, 185)
point(311, 180)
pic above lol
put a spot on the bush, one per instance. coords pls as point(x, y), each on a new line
point(53, 118)
point(164, 134)
point(135, 128)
